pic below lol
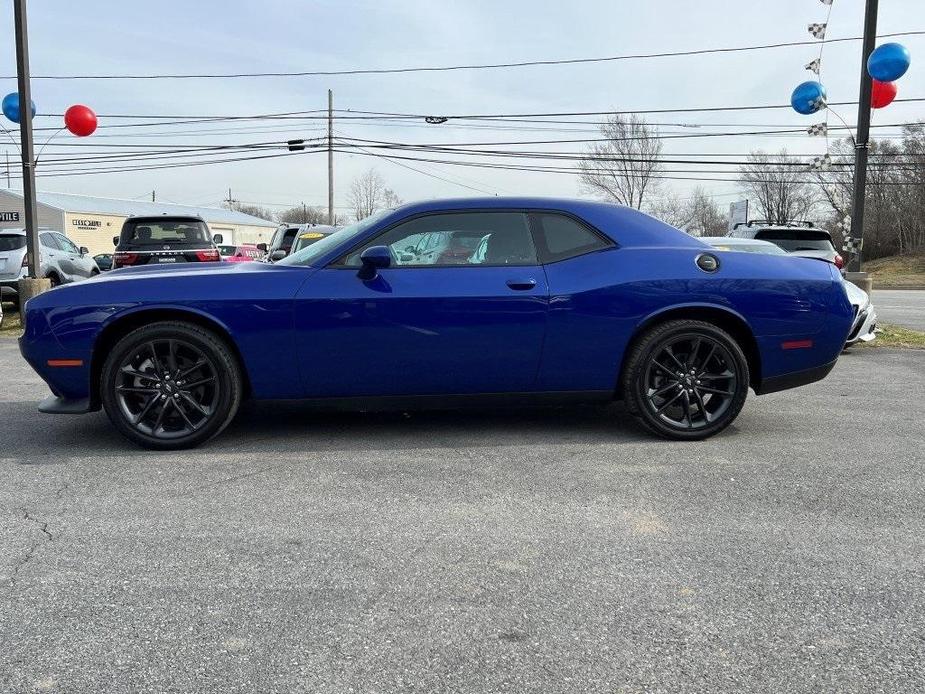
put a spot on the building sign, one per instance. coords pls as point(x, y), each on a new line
point(9, 216)
point(87, 223)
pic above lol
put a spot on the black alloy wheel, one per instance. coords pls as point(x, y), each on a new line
point(170, 385)
point(686, 379)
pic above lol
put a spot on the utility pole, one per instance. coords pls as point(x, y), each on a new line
point(153, 196)
point(8, 185)
point(304, 214)
point(230, 200)
point(330, 157)
point(25, 135)
point(862, 141)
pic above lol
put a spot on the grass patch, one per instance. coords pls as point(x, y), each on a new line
point(897, 271)
point(895, 336)
point(11, 326)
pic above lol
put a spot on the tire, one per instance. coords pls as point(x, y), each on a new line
point(55, 281)
point(171, 385)
point(685, 379)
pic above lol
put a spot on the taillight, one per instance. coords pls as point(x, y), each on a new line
point(839, 261)
point(123, 259)
point(208, 256)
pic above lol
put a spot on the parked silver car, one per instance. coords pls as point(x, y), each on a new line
point(60, 260)
point(799, 238)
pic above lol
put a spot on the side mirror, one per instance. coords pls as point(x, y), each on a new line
point(83, 250)
point(218, 238)
point(277, 255)
point(373, 259)
point(115, 240)
point(262, 247)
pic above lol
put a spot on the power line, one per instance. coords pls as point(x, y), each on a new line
point(447, 68)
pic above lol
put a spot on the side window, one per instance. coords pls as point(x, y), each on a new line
point(560, 237)
point(456, 238)
point(48, 240)
point(66, 244)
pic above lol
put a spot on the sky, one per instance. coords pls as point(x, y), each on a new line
point(207, 36)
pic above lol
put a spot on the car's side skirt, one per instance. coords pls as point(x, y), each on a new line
point(384, 403)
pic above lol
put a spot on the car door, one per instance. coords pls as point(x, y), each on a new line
point(79, 265)
point(422, 328)
point(52, 256)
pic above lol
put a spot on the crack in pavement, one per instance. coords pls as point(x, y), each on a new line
point(33, 548)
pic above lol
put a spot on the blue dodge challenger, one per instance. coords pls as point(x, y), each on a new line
point(498, 300)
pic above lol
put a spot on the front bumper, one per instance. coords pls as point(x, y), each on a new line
point(54, 404)
point(862, 330)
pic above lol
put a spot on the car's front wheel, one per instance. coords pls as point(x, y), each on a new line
point(686, 379)
point(170, 385)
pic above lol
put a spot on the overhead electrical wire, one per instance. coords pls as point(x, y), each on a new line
point(448, 68)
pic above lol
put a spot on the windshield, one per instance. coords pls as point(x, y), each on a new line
point(154, 232)
point(308, 255)
point(797, 239)
point(12, 242)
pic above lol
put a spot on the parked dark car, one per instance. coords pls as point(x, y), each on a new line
point(571, 300)
point(103, 261)
point(164, 240)
point(287, 236)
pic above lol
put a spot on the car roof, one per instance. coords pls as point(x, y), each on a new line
point(166, 218)
point(625, 225)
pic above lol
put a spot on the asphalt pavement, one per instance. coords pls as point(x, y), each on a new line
point(905, 307)
point(543, 551)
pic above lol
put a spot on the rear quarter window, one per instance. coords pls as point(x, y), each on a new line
point(12, 242)
point(560, 237)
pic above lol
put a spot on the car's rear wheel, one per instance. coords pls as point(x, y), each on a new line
point(170, 385)
point(686, 379)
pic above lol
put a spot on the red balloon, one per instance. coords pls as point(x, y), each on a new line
point(80, 120)
point(882, 94)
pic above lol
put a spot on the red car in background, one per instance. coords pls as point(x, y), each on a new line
point(244, 253)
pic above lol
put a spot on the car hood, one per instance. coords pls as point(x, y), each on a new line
point(182, 270)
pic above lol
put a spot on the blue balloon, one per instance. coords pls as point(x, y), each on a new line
point(889, 62)
point(808, 98)
point(11, 106)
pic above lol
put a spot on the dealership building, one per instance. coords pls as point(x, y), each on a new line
point(92, 222)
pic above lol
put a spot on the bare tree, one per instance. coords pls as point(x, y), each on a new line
point(697, 214)
point(303, 214)
point(390, 198)
point(779, 188)
point(368, 193)
point(253, 210)
point(623, 167)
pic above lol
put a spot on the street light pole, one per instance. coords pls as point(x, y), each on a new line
point(25, 134)
point(330, 157)
point(862, 140)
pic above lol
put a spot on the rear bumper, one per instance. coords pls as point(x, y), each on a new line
point(795, 379)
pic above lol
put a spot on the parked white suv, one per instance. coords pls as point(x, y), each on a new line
point(798, 238)
point(60, 260)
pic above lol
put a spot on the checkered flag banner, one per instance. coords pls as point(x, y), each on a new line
point(818, 130)
point(852, 245)
point(844, 225)
point(814, 66)
point(817, 30)
point(823, 163)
